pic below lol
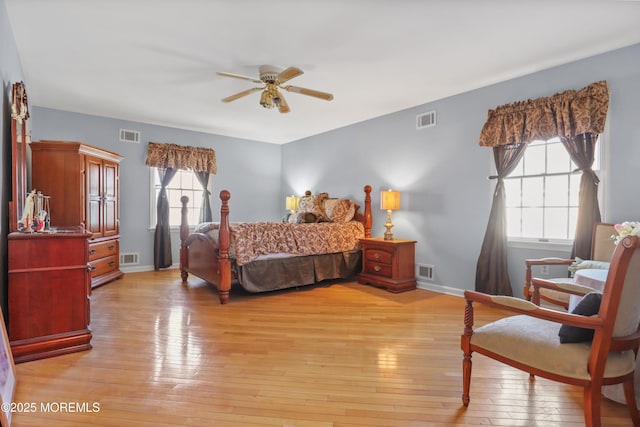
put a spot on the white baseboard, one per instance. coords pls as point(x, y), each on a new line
point(440, 289)
point(142, 268)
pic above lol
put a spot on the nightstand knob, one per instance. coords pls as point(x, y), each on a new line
point(376, 255)
point(377, 268)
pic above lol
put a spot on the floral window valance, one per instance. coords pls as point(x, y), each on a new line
point(181, 157)
point(565, 114)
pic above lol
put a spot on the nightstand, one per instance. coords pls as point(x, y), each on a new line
point(388, 263)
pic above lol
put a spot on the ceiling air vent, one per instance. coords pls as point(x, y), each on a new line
point(129, 136)
point(426, 120)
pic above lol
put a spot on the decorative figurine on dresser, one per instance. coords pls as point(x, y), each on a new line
point(83, 184)
point(48, 286)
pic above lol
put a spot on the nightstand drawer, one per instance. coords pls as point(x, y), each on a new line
point(379, 269)
point(379, 256)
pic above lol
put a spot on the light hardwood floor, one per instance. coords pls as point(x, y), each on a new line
point(342, 354)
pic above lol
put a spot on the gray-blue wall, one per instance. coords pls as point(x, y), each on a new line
point(10, 73)
point(442, 172)
point(249, 170)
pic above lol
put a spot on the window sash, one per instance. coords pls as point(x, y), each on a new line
point(551, 209)
point(183, 183)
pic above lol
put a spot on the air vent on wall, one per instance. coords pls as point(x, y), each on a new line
point(425, 271)
point(129, 258)
point(426, 120)
point(129, 136)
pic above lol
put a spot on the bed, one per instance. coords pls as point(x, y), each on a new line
point(266, 256)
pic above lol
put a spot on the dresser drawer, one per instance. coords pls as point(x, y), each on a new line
point(378, 255)
point(102, 249)
point(379, 269)
point(103, 265)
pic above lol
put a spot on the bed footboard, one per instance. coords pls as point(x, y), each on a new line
point(201, 256)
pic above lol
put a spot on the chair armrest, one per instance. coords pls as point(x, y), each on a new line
point(566, 287)
point(540, 261)
point(520, 306)
point(548, 261)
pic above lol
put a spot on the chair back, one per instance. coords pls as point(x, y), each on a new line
point(622, 289)
point(602, 245)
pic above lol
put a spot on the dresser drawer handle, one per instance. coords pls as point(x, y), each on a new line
point(112, 263)
point(92, 251)
point(376, 255)
point(111, 247)
point(91, 268)
point(377, 268)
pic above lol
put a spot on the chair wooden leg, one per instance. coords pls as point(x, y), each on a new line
point(466, 378)
point(630, 397)
point(592, 402)
point(465, 345)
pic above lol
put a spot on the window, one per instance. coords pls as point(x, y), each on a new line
point(184, 183)
point(542, 193)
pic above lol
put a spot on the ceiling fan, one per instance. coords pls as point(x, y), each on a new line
point(272, 79)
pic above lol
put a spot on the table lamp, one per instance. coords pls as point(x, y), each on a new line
point(389, 201)
point(291, 203)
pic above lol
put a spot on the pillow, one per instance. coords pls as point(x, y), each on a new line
point(587, 306)
point(302, 218)
point(313, 204)
point(339, 210)
point(580, 264)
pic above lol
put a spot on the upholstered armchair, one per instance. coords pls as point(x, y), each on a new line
point(602, 248)
point(529, 340)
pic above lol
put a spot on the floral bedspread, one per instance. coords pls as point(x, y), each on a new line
point(251, 240)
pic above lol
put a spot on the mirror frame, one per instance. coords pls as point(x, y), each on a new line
point(19, 141)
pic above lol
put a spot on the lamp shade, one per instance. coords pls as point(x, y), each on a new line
point(390, 200)
point(292, 203)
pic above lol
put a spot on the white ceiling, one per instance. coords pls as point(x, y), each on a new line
point(154, 61)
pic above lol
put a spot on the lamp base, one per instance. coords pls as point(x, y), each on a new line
point(388, 235)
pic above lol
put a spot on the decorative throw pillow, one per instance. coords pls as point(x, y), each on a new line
point(339, 210)
point(587, 306)
point(313, 204)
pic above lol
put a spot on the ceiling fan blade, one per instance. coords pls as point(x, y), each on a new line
point(238, 76)
point(309, 92)
point(241, 94)
point(288, 74)
point(283, 107)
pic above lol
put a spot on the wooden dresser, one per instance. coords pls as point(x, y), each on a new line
point(388, 263)
point(83, 182)
point(48, 294)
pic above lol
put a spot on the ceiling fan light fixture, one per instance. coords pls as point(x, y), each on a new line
point(273, 79)
point(266, 99)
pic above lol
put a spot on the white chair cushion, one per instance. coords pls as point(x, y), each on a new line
point(534, 342)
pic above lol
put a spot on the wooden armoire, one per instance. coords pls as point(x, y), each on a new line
point(83, 183)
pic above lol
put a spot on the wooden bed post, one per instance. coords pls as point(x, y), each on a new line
point(368, 221)
point(184, 233)
point(224, 241)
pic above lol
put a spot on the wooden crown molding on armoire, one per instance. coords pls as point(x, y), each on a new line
point(83, 183)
